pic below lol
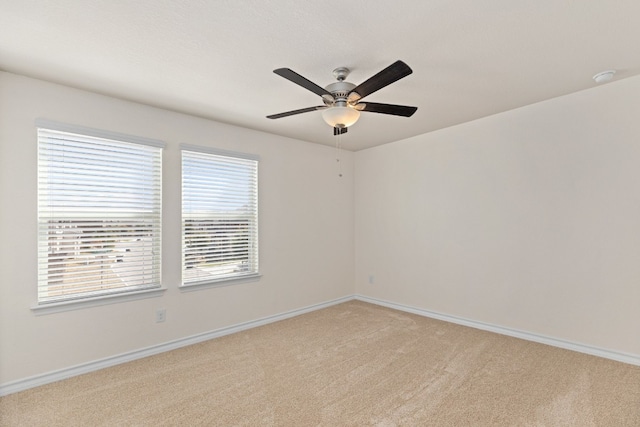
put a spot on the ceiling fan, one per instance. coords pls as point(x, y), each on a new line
point(343, 100)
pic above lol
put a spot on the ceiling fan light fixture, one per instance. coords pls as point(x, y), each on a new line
point(339, 117)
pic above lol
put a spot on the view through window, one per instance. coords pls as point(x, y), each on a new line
point(219, 216)
point(99, 215)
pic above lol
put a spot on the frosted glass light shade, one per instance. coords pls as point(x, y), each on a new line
point(340, 116)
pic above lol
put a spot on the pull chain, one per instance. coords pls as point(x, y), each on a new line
point(338, 153)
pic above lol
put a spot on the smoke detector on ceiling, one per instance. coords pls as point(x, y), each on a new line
point(604, 76)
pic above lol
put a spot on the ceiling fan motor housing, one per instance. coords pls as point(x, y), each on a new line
point(340, 91)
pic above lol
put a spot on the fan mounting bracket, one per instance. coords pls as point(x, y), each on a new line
point(341, 73)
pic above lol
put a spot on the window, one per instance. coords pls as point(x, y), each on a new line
point(99, 216)
point(219, 216)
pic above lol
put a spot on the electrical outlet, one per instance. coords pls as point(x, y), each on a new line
point(161, 315)
point(371, 279)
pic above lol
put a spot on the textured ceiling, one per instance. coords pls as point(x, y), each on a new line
point(214, 59)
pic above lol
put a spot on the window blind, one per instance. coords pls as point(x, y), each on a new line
point(219, 217)
point(99, 216)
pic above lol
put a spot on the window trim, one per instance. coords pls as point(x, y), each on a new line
point(219, 283)
point(48, 307)
point(97, 133)
point(224, 281)
point(218, 152)
point(77, 304)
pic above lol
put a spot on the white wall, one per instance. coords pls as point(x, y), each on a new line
point(306, 232)
point(528, 219)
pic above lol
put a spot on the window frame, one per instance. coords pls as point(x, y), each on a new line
point(116, 294)
point(253, 245)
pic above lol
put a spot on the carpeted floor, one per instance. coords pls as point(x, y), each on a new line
point(353, 364)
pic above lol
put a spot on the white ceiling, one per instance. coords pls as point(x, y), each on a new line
point(214, 59)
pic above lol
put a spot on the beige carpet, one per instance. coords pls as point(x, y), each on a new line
point(354, 364)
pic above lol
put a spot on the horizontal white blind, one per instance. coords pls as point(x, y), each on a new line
point(99, 216)
point(219, 217)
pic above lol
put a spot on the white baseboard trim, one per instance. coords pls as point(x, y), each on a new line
point(631, 359)
point(49, 377)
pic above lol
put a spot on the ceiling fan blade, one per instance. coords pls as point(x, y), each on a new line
point(392, 73)
point(294, 112)
point(396, 110)
point(301, 81)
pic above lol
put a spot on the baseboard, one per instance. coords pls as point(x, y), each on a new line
point(631, 359)
point(38, 380)
point(46, 378)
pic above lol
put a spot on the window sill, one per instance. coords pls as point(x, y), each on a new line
point(221, 282)
point(57, 307)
